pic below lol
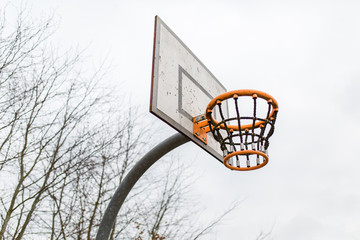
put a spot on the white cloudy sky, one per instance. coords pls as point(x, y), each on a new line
point(304, 53)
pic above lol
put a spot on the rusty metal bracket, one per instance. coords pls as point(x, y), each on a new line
point(201, 128)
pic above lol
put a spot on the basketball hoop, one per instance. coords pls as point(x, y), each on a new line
point(244, 139)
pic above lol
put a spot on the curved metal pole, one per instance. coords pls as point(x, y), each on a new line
point(131, 178)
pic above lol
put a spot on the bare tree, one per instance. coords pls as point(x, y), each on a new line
point(64, 148)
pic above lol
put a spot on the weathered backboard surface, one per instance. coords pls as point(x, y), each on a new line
point(181, 86)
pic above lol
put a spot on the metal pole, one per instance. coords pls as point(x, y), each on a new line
point(131, 178)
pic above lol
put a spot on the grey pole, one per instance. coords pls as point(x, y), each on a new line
point(131, 178)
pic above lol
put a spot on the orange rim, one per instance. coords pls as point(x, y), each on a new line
point(243, 92)
point(246, 152)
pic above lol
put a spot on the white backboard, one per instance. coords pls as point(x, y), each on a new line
point(181, 86)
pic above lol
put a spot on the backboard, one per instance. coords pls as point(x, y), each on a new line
point(181, 86)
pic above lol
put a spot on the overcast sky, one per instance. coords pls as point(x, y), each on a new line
point(304, 53)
